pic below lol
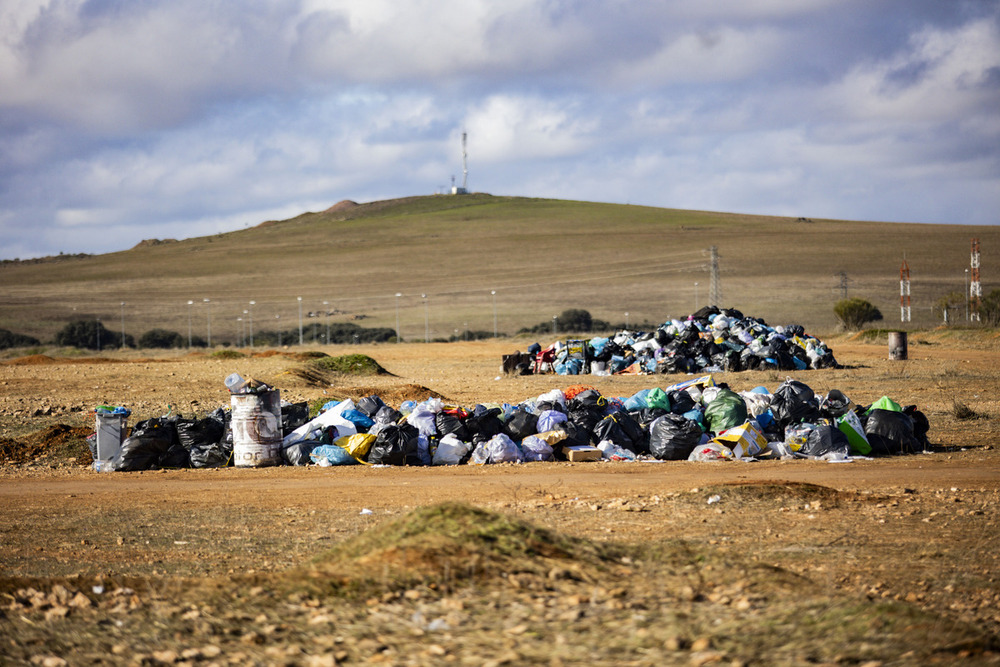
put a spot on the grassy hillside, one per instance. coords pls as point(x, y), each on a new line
point(541, 256)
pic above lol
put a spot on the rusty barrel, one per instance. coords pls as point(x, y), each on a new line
point(897, 345)
point(256, 425)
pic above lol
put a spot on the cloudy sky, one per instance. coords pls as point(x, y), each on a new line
point(122, 120)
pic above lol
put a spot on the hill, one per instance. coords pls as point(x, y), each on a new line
point(541, 257)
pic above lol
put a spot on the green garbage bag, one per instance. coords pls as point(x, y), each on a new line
point(727, 411)
point(657, 398)
point(885, 403)
point(850, 425)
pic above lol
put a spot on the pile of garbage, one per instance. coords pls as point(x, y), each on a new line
point(696, 420)
point(710, 340)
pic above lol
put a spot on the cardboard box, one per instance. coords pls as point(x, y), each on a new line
point(578, 453)
point(744, 440)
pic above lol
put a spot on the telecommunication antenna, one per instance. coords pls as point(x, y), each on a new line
point(975, 287)
point(465, 171)
point(904, 292)
point(844, 280)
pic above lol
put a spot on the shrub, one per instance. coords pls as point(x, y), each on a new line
point(855, 313)
point(989, 309)
point(162, 338)
point(10, 339)
point(90, 335)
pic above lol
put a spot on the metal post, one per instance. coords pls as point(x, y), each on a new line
point(190, 303)
point(239, 323)
point(244, 328)
point(427, 320)
point(252, 304)
point(696, 297)
point(397, 316)
point(626, 320)
point(554, 323)
point(966, 298)
point(300, 319)
point(208, 307)
point(123, 325)
point(326, 312)
point(277, 323)
point(494, 293)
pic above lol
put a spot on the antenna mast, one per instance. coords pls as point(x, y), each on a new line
point(465, 166)
point(975, 294)
point(904, 292)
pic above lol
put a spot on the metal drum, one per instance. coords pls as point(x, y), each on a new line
point(897, 345)
point(256, 425)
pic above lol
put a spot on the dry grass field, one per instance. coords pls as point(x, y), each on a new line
point(882, 562)
point(540, 256)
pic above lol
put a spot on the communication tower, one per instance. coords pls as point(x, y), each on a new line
point(975, 287)
point(465, 172)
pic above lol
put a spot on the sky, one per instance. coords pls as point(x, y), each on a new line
point(124, 120)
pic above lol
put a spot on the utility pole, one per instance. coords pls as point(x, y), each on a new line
point(904, 293)
point(714, 286)
point(843, 284)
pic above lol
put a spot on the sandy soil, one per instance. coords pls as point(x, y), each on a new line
point(919, 530)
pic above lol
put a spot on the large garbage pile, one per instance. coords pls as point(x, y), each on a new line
point(696, 420)
point(710, 340)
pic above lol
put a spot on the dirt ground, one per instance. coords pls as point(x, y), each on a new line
point(883, 561)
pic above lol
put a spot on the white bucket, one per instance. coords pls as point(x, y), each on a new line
point(256, 425)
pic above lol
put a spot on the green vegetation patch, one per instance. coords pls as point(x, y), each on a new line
point(227, 354)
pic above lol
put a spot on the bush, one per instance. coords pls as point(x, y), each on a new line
point(989, 309)
point(572, 320)
point(10, 339)
point(162, 338)
point(90, 335)
point(855, 313)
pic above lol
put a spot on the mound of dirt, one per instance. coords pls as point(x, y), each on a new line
point(54, 444)
point(32, 360)
point(323, 371)
point(454, 541)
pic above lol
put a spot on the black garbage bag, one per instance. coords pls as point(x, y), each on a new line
point(921, 425)
point(647, 416)
point(150, 440)
point(586, 409)
point(448, 423)
point(293, 415)
point(370, 405)
point(891, 432)
point(794, 402)
point(576, 435)
point(673, 437)
point(620, 428)
point(680, 401)
point(825, 439)
point(520, 425)
point(484, 423)
point(387, 415)
point(298, 453)
point(175, 457)
point(200, 432)
point(834, 404)
point(208, 441)
point(396, 445)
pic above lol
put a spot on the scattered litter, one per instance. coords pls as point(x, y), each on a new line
point(714, 499)
point(366, 511)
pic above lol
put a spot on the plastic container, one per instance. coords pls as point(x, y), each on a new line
point(110, 427)
point(235, 383)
